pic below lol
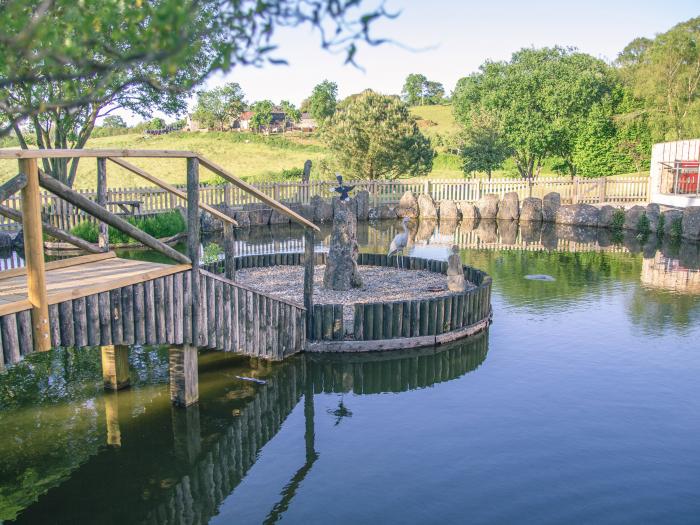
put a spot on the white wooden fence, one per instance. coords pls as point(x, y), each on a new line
point(155, 200)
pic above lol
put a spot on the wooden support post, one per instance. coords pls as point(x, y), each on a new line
point(102, 201)
point(309, 281)
point(229, 252)
point(184, 377)
point(187, 434)
point(115, 366)
point(193, 242)
point(34, 255)
point(114, 435)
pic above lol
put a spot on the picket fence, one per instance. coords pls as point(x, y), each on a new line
point(150, 200)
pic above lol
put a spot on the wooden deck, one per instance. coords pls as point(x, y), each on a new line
point(80, 277)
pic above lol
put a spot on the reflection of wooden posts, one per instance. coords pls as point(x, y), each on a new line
point(115, 366)
point(229, 252)
point(309, 280)
point(309, 431)
point(34, 254)
point(187, 436)
point(193, 242)
point(102, 201)
point(114, 435)
point(184, 377)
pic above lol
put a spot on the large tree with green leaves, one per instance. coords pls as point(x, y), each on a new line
point(217, 108)
point(484, 147)
point(418, 90)
point(262, 115)
point(540, 98)
point(291, 113)
point(374, 136)
point(323, 101)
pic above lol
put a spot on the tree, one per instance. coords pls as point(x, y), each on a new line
point(664, 73)
point(484, 147)
point(417, 89)
point(219, 107)
point(323, 100)
point(112, 43)
point(291, 113)
point(540, 99)
point(373, 136)
point(434, 93)
point(113, 121)
point(262, 115)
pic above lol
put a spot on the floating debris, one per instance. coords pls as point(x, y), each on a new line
point(252, 380)
point(540, 277)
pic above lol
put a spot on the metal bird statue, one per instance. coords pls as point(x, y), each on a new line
point(343, 190)
point(400, 240)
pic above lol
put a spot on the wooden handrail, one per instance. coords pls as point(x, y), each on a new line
point(172, 189)
point(93, 153)
point(12, 186)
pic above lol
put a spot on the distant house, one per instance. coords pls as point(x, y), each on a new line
point(674, 174)
point(307, 123)
point(243, 123)
point(193, 125)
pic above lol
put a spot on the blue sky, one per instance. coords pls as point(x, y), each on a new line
point(453, 38)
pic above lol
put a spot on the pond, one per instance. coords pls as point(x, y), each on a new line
point(581, 404)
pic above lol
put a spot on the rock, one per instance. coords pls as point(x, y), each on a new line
point(488, 206)
point(448, 227)
point(530, 230)
point(577, 215)
point(323, 210)
point(691, 223)
point(279, 218)
point(550, 204)
point(455, 272)
point(507, 231)
point(341, 264)
point(469, 210)
point(408, 206)
point(382, 212)
point(209, 224)
point(426, 207)
point(632, 217)
point(607, 214)
point(362, 205)
point(653, 212)
point(670, 217)
point(576, 233)
point(449, 211)
point(242, 218)
point(306, 211)
point(18, 241)
point(5, 240)
point(509, 207)
point(548, 237)
point(531, 210)
point(260, 217)
point(487, 231)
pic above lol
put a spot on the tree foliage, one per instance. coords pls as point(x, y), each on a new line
point(291, 113)
point(113, 121)
point(374, 136)
point(218, 108)
point(262, 114)
point(323, 100)
point(417, 89)
point(484, 148)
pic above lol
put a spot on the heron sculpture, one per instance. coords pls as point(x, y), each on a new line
point(400, 240)
point(343, 190)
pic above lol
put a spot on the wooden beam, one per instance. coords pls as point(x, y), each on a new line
point(99, 212)
point(34, 255)
point(12, 186)
point(53, 231)
point(115, 366)
point(193, 226)
point(102, 201)
point(172, 189)
point(184, 377)
point(257, 193)
point(94, 153)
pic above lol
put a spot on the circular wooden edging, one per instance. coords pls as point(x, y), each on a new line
point(391, 325)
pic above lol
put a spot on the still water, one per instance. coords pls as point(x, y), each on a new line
point(580, 405)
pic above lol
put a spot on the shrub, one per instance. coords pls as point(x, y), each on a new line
point(618, 220)
point(159, 226)
point(660, 225)
point(677, 228)
point(643, 225)
point(212, 252)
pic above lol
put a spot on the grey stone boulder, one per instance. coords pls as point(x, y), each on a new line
point(449, 211)
point(469, 210)
point(607, 214)
point(209, 224)
point(670, 217)
point(691, 223)
point(455, 272)
point(323, 210)
point(18, 240)
point(341, 271)
point(279, 218)
point(260, 217)
point(653, 212)
point(509, 207)
point(361, 199)
point(488, 206)
point(242, 218)
point(550, 204)
point(633, 216)
point(426, 207)
point(531, 209)
point(408, 205)
point(382, 212)
point(5, 240)
point(578, 215)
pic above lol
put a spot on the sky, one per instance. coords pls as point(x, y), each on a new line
point(448, 39)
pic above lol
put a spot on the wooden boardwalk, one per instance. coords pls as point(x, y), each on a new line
point(79, 277)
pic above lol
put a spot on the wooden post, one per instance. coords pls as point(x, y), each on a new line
point(193, 241)
point(115, 366)
point(309, 281)
point(114, 435)
point(184, 377)
point(229, 252)
point(102, 201)
point(187, 434)
point(34, 255)
point(602, 183)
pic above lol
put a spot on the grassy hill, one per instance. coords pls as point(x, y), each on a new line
point(434, 120)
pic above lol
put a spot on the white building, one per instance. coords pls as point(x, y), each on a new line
point(674, 173)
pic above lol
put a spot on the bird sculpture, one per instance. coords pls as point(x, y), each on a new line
point(343, 190)
point(400, 240)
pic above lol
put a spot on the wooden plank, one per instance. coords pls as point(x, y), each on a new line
point(172, 189)
point(92, 153)
point(34, 255)
point(370, 346)
point(257, 193)
point(12, 186)
point(193, 240)
point(61, 263)
point(10, 338)
point(101, 199)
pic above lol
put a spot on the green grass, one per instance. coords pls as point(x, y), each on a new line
point(159, 226)
point(434, 120)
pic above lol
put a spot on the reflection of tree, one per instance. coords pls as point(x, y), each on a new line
point(656, 310)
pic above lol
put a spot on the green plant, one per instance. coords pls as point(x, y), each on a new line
point(618, 220)
point(643, 225)
point(677, 228)
point(212, 252)
point(660, 225)
point(159, 226)
point(86, 230)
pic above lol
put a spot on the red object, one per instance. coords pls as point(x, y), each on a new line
point(687, 171)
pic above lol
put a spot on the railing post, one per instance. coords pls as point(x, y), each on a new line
point(34, 255)
point(276, 191)
point(229, 252)
point(602, 183)
point(103, 240)
point(193, 241)
point(309, 280)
